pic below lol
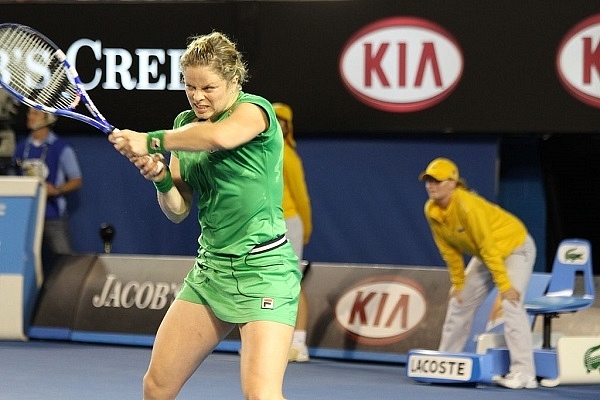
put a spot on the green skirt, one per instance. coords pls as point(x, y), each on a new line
point(253, 287)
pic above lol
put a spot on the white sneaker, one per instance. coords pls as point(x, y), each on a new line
point(517, 380)
point(298, 353)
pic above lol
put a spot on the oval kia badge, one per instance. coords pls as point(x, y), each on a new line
point(381, 310)
point(401, 64)
point(578, 61)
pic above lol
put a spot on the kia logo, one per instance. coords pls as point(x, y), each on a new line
point(401, 64)
point(381, 310)
point(578, 61)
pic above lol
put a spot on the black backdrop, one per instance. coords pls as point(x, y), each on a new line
point(509, 83)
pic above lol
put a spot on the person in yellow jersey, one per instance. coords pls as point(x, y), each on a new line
point(502, 256)
point(298, 219)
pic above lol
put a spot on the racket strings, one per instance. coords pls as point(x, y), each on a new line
point(25, 50)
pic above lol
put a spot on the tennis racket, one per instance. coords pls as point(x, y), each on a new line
point(37, 73)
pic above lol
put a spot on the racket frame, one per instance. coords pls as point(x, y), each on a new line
point(97, 120)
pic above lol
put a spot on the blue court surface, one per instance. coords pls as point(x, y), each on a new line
point(49, 370)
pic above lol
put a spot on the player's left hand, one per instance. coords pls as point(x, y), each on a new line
point(152, 167)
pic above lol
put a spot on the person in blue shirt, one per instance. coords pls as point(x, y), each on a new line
point(43, 154)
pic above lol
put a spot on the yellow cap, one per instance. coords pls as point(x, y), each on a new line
point(440, 169)
point(283, 111)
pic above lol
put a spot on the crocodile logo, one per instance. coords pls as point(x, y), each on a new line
point(572, 255)
point(591, 360)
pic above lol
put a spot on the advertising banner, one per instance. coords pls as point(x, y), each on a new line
point(347, 67)
point(357, 311)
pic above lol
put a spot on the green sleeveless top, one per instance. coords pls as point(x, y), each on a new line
point(239, 190)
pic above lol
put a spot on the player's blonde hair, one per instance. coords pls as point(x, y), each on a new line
point(218, 52)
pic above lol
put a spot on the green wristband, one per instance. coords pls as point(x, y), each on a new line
point(155, 142)
point(166, 184)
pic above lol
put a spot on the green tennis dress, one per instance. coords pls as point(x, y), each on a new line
point(245, 270)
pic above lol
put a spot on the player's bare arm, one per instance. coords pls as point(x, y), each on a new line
point(177, 202)
point(244, 123)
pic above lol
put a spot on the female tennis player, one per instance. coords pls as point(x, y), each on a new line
point(228, 149)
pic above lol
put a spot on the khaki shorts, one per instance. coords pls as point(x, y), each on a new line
point(254, 287)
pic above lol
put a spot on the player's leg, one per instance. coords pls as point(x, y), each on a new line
point(271, 282)
point(264, 358)
point(187, 335)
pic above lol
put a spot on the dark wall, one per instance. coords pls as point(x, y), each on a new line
point(571, 165)
point(367, 200)
point(509, 83)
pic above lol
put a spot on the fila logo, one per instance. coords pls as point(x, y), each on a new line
point(267, 303)
point(155, 144)
point(401, 64)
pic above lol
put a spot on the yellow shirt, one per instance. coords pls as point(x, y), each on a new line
point(474, 226)
point(296, 200)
